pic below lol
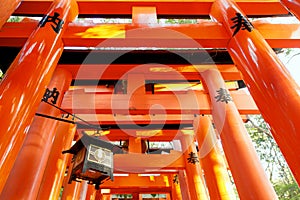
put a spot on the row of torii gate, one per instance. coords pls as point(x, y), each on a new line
point(32, 166)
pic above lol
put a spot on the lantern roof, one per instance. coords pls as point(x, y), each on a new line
point(85, 141)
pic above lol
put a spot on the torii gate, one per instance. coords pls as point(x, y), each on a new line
point(227, 48)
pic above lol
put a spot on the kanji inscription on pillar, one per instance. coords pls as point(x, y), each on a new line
point(175, 179)
point(241, 23)
point(54, 20)
point(223, 95)
point(51, 94)
point(192, 158)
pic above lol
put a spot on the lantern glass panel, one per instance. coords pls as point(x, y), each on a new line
point(100, 155)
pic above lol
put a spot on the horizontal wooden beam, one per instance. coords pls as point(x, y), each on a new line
point(148, 163)
point(104, 119)
point(137, 181)
point(163, 7)
point(193, 102)
point(152, 135)
point(152, 130)
point(150, 71)
point(109, 119)
point(205, 34)
point(141, 190)
point(156, 128)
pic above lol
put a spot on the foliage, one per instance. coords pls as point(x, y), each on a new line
point(1, 74)
point(287, 191)
point(124, 196)
point(177, 21)
point(15, 19)
point(272, 159)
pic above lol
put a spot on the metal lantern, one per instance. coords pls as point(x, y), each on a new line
point(92, 160)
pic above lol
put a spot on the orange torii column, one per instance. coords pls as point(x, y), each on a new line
point(184, 189)
point(57, 162)
point(274, 90)
point(98, 195)
point(168, 196)
point(183, 183)
point(24, 83)
point(91, 193)
point(71, 191)
point(176, 193)
point(293, 6)
point(6, 9)
point(193, 169)
point(249, 176)
point(212, 161)
point(33, 156)
point(106, 197)
point(135, 196)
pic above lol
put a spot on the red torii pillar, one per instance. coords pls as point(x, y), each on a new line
point(57, 162)
point(249, 176)
point(24, 84)
point(183, 183)
point(176, 193)
point(193, 169)
point(212, 161)
point(32, 159)
point(91, 193)
point(6, 9)
point(106, 197)
point(71, 191)
point(272, 87)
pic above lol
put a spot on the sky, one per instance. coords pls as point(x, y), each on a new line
point(292, 63)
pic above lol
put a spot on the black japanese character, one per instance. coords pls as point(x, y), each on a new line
point(241, 22)
point(223, 95)
point(54, 19)
point(193, 158)
point(51, 94)
point(175, 179)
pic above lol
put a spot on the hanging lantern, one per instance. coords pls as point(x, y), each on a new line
point(92, 160)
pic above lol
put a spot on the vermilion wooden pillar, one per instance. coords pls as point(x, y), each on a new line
point(91, 193)
point(106, 197)
point(57, 163)
point(274, 90)
point(24, 84)
point(293, 6)
point(249, 176)
point(98, 195)
point(71, 191)
point(135, 196)
point(32, 159)
point(184, 189)
point(6, 9)
point(168, 196)
point(193, 169)
point(176, 193)
point(212, 162)
point(83, 191)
